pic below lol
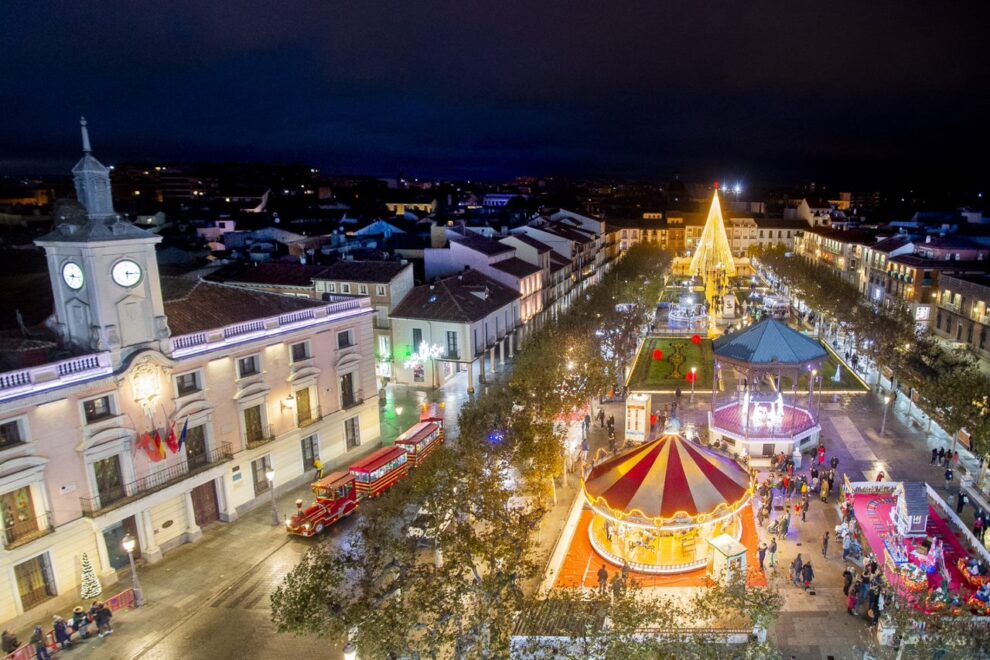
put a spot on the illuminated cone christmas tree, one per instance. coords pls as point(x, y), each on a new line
point(90, 587)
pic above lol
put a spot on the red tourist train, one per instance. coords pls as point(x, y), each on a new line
point(338, 495)
point(336, 498)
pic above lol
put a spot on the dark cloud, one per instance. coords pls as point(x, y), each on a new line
point(780, 90)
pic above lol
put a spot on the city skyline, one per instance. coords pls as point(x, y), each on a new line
point(758, 92)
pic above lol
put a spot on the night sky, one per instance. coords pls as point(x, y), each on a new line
point(860, 93)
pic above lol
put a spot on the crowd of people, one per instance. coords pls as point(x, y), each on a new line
point(79, 625)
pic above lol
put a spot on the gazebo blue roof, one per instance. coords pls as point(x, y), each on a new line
point(769, 342)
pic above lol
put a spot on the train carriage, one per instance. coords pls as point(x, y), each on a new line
point(380, 471)
point(420, 441)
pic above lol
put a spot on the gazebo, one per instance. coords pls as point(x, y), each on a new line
point(758, 417)
point(657, 505)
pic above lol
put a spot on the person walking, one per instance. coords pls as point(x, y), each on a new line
point(601, 417)
point(984, 519)
point(807, 575)
point(948, 478)
point(796, 567)
point(773, 552)
point(834, 463)
point(602, 581)
point(934, 455)
point(804, 510)
point(978, 526)
point(963, 501)
point(847, 580)
point(825, 545)
point(761, 554)
point(40, 644)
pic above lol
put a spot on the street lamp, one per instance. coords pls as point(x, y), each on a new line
point(129, 543)
point(811, 389)
point(270, 475)
point(886, 405)
point(694, 377)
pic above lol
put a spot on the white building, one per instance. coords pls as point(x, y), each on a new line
point(249, 383)
point(449, 326)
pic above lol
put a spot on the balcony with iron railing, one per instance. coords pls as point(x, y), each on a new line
point(24, 531)
point(117, 496)
point(351, 400)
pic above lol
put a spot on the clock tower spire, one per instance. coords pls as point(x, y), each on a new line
point(103, 270)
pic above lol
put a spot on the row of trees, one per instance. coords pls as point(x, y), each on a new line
point(947, 381)
point(480, 498)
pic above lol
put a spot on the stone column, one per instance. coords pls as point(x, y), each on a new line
point(228, 513)
point(481, 367)
point(193, 532)
point(492, 360)
point(512, 340)
point(150, 551)
point(470, 377)
point(501, 350)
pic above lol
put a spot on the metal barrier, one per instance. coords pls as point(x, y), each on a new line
point(119, 601)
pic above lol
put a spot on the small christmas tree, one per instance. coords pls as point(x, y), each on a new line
point(90, 587)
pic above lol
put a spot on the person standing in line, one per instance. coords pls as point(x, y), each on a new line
point(846, 545)
point(773, 552)
point(602, 580)
point(934, 455)
point(40, 644)
point(825, 545)
point(941, 456)
point(847, 580)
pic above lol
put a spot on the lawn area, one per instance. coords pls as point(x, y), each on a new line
point(847, 381)
point(669, 373)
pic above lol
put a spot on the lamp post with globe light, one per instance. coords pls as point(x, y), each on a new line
point(129, 544)
point(694, 377)
point(270, 475)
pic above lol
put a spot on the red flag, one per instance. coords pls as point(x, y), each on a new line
point(146, 443)
point(172, 441)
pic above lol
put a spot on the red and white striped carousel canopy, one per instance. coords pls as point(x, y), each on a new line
point(667, 480)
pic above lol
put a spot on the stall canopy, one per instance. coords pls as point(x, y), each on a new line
point(667, 480)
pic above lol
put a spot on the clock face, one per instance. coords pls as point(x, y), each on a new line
point(126, 273)
point(72, 275)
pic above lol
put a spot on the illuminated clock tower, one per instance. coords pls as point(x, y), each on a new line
point(103, 270)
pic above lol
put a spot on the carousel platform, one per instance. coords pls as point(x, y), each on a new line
point(796, 427)
point(581, 563)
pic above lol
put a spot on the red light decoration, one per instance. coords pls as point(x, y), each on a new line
point(691, 377)
point(657, 354)
point(696, 339)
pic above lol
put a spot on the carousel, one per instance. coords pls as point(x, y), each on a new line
point(656, 507)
